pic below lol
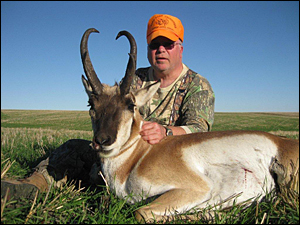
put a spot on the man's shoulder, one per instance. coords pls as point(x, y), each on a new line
point(141, 76)
point(195, 78)
point(142, 73)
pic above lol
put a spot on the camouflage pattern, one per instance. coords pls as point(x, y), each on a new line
point(189, 103)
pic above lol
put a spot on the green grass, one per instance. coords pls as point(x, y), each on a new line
point(28, 136)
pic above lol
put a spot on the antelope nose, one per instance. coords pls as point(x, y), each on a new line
point(102, 140)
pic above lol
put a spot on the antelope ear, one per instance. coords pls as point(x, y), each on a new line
point(143, 95)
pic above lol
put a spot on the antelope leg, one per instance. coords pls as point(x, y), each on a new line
point(174, 201)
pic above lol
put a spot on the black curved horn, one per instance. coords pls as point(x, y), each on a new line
point(131, 66)
point(87, 64)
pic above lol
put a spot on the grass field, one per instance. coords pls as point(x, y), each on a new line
point(28, 136)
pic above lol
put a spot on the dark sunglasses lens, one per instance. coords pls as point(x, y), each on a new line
point(167, 45)
point(154, 46)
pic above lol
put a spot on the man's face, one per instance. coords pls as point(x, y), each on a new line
point(165, 55)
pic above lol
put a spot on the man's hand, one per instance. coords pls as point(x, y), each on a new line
point(152, 132)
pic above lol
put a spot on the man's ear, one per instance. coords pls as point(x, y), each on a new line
point(143, 95)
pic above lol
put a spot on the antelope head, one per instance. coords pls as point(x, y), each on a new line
point(114, 109)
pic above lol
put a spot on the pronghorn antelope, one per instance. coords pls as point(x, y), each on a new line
point(180, 172)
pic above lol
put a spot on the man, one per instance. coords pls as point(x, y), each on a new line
point(184, 103)
point(193, 109)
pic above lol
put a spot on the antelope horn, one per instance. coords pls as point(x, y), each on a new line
point(131, 66)
point(87, 64)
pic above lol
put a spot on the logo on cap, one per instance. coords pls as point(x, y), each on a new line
point(162, 22)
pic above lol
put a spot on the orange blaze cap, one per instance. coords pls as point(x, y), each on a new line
point(166, 26)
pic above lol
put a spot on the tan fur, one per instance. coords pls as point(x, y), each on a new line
point(130, 163)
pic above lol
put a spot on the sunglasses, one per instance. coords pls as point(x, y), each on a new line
point(166, 45)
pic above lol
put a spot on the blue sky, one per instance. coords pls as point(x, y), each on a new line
point(249, 51)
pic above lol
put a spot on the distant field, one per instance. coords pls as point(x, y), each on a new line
point(277, 122)
point(280, 123)
point(50, 119)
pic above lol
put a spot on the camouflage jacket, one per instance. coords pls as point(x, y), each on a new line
point(188, 102)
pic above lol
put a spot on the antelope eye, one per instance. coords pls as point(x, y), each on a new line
point(92, 113)
point(131, 107)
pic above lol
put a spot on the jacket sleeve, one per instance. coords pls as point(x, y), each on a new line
point(197, 111)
